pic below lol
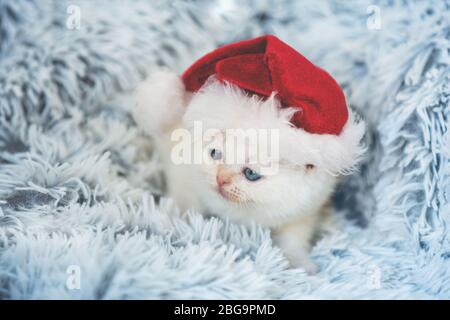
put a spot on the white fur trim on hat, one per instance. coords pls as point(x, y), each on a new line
point(160, 102)
point(225, 106)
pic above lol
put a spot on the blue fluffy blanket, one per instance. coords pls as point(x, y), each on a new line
point(78, 213)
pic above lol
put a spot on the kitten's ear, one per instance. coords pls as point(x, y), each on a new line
point(160, 102)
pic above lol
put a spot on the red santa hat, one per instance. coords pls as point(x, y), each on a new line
point(266, 64)
point(293, 95)
point(320, 129)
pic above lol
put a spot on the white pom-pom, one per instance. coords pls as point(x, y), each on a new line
point(159, 102)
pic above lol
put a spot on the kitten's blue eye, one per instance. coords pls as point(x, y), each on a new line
point(251, 175)
point(215, 154)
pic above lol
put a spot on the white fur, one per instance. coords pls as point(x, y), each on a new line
point(160, 102)
point(289, 201)
point(337, 154)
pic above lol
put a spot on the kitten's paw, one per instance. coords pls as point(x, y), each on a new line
point(303, 261)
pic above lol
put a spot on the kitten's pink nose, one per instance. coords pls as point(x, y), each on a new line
point(223, 178)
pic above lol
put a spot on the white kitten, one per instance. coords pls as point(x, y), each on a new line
point(290, 201)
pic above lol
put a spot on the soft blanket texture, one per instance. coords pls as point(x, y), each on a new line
point(77, 178)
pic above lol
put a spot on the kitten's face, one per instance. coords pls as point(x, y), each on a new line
point(243, 192)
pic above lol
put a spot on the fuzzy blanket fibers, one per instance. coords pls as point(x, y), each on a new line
point(81, 215)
